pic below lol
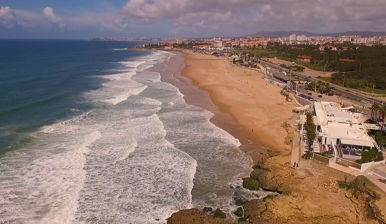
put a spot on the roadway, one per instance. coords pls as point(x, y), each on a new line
point(351, 94)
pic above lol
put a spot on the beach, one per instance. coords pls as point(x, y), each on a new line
point(264, 119)
point(254, 103)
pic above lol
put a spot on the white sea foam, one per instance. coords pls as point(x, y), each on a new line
point(127, 151)
point(69, 165)
point(133, 160)
point(121, 86)
point(120, 49)
point(117, 89)
point(50, 186)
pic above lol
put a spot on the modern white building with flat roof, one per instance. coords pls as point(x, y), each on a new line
point(341, 129)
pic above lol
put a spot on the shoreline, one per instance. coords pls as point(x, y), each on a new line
point(171, 72)
point(309, 193)
point(196, 96)
point(260, 137)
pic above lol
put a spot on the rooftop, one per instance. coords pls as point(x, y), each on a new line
point(304, 57)
point(340, 123)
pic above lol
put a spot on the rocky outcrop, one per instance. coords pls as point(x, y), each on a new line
point(195, 216)
point(310, 194)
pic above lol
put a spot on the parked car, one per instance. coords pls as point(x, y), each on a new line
point(320, 96)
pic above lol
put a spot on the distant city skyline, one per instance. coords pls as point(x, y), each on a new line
point(184, 18)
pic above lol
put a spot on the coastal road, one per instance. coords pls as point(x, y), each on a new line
point(351, 94)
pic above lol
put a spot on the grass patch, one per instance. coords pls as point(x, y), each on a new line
point(371, 90)
point(343, 184)
point(327, 154)
point(239, 212)
point(251, 184)
point(380, 138)
point(239, 202)
point(357, 186)
point(219, 214)
point(243, 220)
point(370, 156)
point(326, 79)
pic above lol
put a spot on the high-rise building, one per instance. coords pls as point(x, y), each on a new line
point(292, 38)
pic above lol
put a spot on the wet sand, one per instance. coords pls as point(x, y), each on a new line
point(199, 97)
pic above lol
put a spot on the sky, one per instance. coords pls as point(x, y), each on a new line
point(184, 18)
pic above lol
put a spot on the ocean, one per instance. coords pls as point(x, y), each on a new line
point(89, 133)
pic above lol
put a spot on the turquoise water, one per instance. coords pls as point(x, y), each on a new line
point(42, 81)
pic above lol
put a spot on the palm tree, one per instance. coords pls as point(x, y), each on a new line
point(374, 111)
point(382, 112)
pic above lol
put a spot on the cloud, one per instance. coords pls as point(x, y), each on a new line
point(151, 10)
point(207, 17)
point(11, 18)
point(47, 19)
point(5, 12)
point(7, 17)
point(49, 14)
point(267, 15)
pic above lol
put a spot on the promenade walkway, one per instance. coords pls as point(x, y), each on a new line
point(295, 153)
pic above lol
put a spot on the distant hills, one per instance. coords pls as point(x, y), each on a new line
point(287, 33)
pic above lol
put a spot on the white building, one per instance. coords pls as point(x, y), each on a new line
point(292, 38)
point(218, 44)
point(340, 130)
point(302, 38)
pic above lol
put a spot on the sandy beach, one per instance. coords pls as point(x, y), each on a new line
point(262, 116)
point(256, 105)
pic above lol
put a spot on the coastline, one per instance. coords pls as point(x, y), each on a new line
point(309, 194)
point(199, 97)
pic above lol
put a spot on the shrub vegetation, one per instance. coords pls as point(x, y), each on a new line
point(365, 71)
point(239, 212)
point(219, 214)
point(311, 133)
point(251, 183)
point(370, 156)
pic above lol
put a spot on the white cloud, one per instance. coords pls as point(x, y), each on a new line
point(49, 14)
point(5, 12)
point(312, 15)
point(7, 16)
point(151, 10)
point(203, 17)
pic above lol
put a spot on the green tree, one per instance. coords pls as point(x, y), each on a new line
point(311, 131)
point(374, 111)
point(382, 112)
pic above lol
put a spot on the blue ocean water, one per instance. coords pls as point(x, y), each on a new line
point(42, 81)
point(91, 134)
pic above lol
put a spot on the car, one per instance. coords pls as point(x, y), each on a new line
point(309, 94)
point(320, 96)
